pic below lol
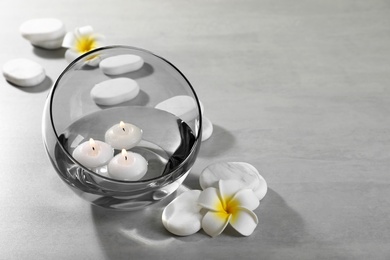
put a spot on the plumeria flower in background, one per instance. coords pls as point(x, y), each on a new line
point(80, 41)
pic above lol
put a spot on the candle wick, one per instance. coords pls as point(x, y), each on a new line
point(125, 157)
point(93, 148)
point(124, 130)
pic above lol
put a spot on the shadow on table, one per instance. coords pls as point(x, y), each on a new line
point(45, 85)
point(279, 225)
point(134, 233)
point(141, 233)
point(220, 141)
point(49, 54)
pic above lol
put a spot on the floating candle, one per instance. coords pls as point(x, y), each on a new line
point(123, 136)
point(93, 153)
point(127, 166)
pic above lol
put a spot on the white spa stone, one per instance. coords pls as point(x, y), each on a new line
point(182, 106)
point(244, 172)
point(121, 64)
point(207, 128)
point(24, 72)
point(114, 91)
point(49, 44)
point(42, 29)
point(182, 216)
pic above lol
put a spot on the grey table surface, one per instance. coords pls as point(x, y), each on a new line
point(299, 89)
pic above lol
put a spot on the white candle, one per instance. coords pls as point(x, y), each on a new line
point(127, 166)
point(92, 154)
point(123, 136)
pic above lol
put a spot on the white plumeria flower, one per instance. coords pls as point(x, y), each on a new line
point(80, 41)
point(230, 203)
point(213, 209)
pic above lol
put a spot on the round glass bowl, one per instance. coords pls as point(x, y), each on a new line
point(171, 134)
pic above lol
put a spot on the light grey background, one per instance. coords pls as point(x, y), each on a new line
point(300, 89)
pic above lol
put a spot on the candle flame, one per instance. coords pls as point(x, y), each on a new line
point(92, 143)
point(123, 126)
point(124, 154)
point(94, 147)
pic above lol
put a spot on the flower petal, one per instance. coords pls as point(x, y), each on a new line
point(213, 223)
point(70, 55)
point(182, 216)
point(83, 31)
point(99, 38)
point(245, 198)
point(227, 189)
point(94, 61)
point(209, 199)
point(69, 40)
point(244, 221)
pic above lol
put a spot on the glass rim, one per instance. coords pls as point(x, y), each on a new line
point(108, 47)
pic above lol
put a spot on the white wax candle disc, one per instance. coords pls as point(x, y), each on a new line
point(42, 29)
point(132, 171)
point(121, 64)
point(114, 91)
point(244, 172)
point(23, 72)
point(125, 137)
point(89, 157)
point(182, 106)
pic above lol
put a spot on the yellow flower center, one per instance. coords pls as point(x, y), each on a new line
point(226, 207)
point(85, 44)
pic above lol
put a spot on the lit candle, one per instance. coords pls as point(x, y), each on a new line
point(123, 136)
point(127, 166)
point(92, 154)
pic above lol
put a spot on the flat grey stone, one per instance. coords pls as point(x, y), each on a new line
point(244, 172)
